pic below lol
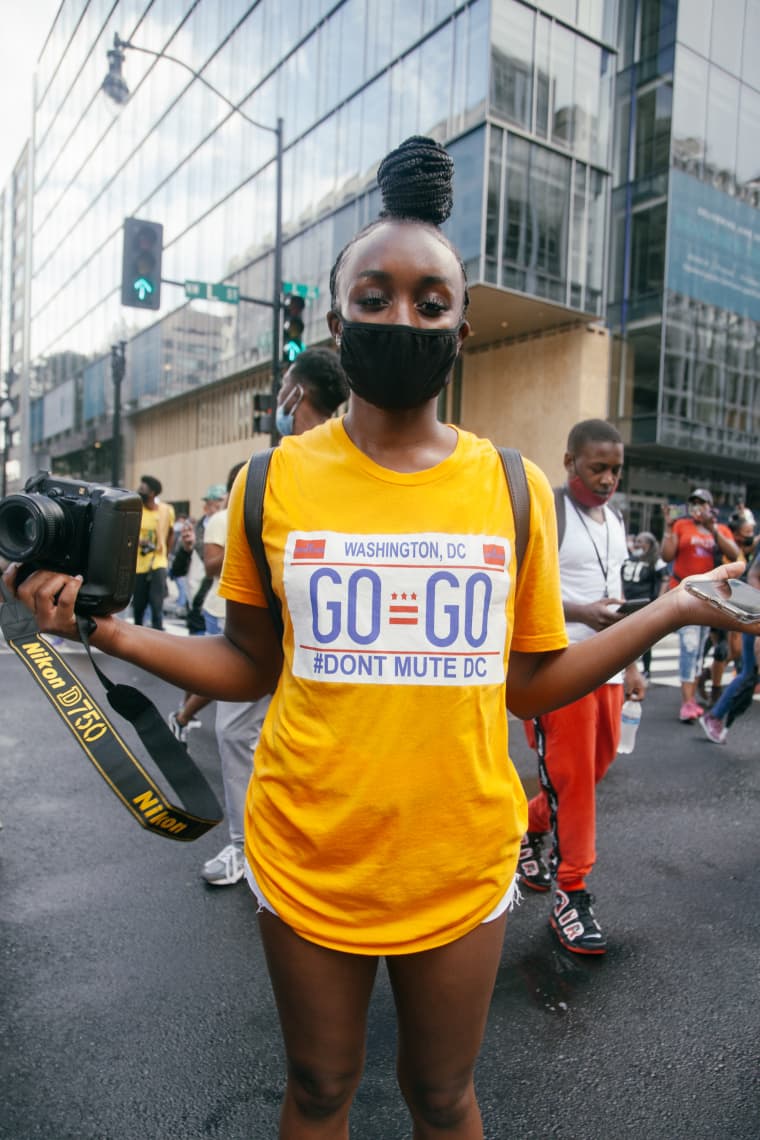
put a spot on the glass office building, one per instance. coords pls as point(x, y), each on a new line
point(522, 94)
point(685, 262)
point(571, 142)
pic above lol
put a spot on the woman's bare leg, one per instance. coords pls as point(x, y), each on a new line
point(322, 997)
point(442, 1000)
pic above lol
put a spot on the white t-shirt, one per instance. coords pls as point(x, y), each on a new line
point(590, 559)
point(215, 532)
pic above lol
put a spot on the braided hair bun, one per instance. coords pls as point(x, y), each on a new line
point(415, 181)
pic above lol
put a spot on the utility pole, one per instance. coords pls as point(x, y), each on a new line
point(118, 365)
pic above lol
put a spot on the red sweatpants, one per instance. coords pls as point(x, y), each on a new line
point(576, 745)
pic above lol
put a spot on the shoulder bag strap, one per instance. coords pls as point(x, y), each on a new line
point(253, 513)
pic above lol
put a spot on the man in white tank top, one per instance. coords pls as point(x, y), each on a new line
point(577, 743)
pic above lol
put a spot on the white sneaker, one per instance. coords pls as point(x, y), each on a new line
point(181, 730)
point(226, 868)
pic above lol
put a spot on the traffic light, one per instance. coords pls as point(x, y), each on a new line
point(141, 264)
point(292, 327)
point(263, 419)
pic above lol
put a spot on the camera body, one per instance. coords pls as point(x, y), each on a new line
point(77, 528)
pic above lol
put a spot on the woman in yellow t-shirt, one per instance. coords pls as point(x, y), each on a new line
point(384, 815)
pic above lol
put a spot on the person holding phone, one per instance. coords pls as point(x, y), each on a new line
point(694, 544)
point(576, 744)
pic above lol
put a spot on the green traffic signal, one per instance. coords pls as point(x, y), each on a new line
point(143, 288)
point(141, 264)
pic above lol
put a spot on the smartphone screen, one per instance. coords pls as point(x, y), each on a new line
point(733, 597)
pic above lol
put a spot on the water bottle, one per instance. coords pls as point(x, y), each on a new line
point(629, 725)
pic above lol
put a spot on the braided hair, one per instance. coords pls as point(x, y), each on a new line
point(415, 182)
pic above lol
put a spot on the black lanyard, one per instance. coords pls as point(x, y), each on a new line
point(603, 566)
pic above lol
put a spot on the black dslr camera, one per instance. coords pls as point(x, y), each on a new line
point(77, 528)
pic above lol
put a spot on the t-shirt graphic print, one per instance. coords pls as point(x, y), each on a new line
point(391, 609)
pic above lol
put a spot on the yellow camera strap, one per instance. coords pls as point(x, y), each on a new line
point(101, 742)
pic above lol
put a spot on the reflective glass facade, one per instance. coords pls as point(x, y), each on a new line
point(684, 285)
point(176, 152)
point(548, 180)
point(521, 94)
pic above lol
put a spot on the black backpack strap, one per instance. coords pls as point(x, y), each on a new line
point(517, 482)
point(253, 514)
point(559, 510)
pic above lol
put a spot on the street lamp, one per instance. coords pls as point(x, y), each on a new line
point(6, 411)
point(115, 86)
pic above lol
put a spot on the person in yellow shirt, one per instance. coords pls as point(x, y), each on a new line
point(155, 543)
point(384, 817)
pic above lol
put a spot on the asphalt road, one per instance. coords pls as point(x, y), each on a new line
point(136, 1004)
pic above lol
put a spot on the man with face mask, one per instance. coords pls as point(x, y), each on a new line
point(313, 388)
point(694, 544)
point(577, 743)
point(156, 539)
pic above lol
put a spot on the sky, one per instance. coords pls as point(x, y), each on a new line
point(25, 25)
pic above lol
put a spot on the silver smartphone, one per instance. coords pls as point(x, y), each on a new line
point(733, 596)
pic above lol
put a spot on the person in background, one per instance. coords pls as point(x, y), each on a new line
point(180, 608)
point(694, 544)
point(189, 562)
point(577, 743)
point(313, 388)
point(726, 646)
point(384, 816)
point(737, 697)
point(642, 574)
point(155, 545)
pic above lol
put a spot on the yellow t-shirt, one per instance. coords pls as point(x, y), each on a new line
point(155, 527)
point(384, 815)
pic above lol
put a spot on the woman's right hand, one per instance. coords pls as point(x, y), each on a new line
point(51, 597)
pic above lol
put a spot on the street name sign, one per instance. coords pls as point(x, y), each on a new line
point(208, 291)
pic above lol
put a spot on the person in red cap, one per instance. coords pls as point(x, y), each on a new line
point(694, 544)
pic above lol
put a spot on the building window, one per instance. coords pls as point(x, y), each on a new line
point(653, 115)
point(648, 252)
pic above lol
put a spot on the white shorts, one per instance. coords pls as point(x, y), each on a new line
point(510, 897)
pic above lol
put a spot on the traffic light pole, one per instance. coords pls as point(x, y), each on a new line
point(277, 288)
point(118, 365)
point(115, 86)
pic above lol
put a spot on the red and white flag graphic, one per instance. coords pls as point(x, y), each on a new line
point(493, 555)
point(309, 548)
point(403, 610)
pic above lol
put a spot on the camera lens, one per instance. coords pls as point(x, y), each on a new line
point(30, 527)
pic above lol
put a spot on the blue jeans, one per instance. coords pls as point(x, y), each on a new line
point(723, 704)
point(691, 641)
point(213, 624)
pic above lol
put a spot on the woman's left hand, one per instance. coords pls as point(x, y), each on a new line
point(697, 611)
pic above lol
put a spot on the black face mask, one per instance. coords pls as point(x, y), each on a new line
point(397, 366)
